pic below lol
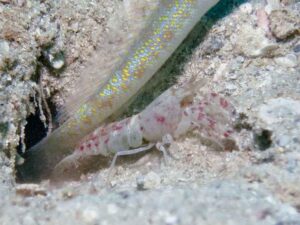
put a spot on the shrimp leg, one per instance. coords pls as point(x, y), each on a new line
point(128, 152)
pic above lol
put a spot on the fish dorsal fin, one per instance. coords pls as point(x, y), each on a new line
point(124, 28)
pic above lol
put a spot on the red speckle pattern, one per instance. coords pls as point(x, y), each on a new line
point(94, 137)
point(201, 115)
point(223, 103)
point(211, 122)
point(160, 119)
point(226, 134)
point(117, 126)
point(103, 132)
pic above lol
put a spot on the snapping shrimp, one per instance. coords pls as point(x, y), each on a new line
point(167, 28)
point(172, 114)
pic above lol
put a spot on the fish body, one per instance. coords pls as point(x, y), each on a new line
point(167, 28)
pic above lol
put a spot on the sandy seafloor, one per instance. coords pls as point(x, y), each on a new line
point(247, 51)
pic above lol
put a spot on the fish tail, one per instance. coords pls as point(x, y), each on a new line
point(42, 157)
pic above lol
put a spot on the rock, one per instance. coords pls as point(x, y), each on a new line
point(281, 117)
point(4, 48)
point(112, 209)
point(171, 220)
point(55, 60)
point(4, 52)
point(278, 109)
point(246, 8)
point(58, 63)
point(28, 220)
point(252, 42)
point(289, 60)
point(90, 215)
point(272, 5)
point(149, 181)
point(213, 45)
point(30, 190)
point(284, 23)
point(263, 21)
point(297, 48)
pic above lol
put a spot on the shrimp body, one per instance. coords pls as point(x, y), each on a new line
point(166, 29)
point(171, 114)
point(161, 117)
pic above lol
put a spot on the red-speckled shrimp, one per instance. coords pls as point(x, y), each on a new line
point(172, 114)
point(166, 29)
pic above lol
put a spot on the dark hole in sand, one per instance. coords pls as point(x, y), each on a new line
point(35, 131)
point(263, 139)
